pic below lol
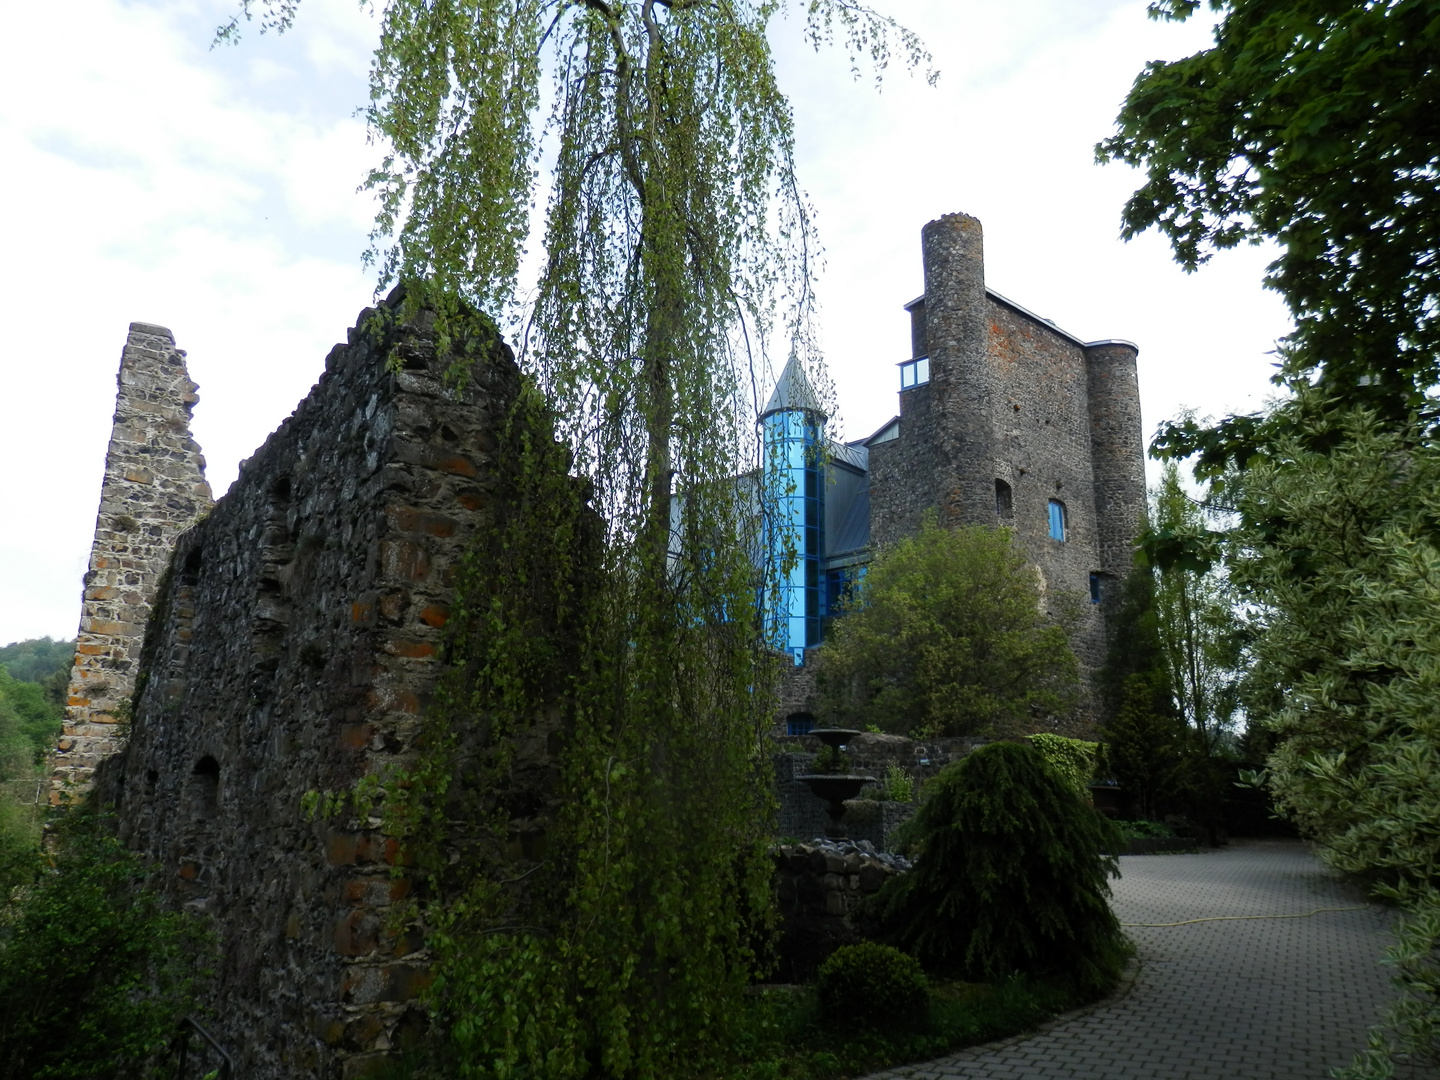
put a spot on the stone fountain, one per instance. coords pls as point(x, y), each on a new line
point(835, 787)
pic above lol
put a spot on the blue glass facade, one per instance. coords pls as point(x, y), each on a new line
point(795, 532)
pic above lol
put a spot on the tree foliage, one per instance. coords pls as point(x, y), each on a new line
point(1314, 123)
point(947, 637)
point(1011, 875)
point(95, 974)
point(1340, 541)
point(1198, 631)
point(39, 660)
point(677, 246)
point(36, 715)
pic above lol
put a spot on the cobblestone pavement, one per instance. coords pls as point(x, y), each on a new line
point(1241, 999)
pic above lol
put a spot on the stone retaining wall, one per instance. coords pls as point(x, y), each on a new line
point(817, 887)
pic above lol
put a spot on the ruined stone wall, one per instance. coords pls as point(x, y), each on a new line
point(292, 652)
point(154, 488)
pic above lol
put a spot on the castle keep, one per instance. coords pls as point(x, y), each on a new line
point(290, 634)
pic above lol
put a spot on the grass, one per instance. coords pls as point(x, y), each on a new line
point(783, 1037)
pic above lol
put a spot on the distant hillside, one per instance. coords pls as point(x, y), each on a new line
point(38, 659)
point(33, 677)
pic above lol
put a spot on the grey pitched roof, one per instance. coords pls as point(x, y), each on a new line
point(793, 391)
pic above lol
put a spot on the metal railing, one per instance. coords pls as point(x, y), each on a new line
point(188, 1027)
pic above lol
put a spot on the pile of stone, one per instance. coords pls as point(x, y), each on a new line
point(845, 848)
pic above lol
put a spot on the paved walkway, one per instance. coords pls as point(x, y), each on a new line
point(1241, 999)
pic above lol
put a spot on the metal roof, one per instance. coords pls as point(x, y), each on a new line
point(793, 391)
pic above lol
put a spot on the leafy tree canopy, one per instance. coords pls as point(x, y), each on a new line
point(947, 637)
point(1315, 123)
point(33, 716)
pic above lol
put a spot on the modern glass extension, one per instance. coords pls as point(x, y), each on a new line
point(795, 527)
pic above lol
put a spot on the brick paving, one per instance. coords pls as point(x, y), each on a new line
point(1243, 999)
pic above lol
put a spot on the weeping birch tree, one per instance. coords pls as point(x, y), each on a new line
point(679, 252)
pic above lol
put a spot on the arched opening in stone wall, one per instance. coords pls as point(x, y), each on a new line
point(1004, 501)
point(205, 789)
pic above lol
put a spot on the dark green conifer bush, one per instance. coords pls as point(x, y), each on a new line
point(1011, 876)
point(872, 984)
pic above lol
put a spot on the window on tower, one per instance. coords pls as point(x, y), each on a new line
point(914, 372)
point(1058, 524)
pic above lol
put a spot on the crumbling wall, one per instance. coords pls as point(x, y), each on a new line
point(154, 488)
point(293, 651)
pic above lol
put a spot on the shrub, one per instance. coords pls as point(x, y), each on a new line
point(95, 974)
point(894, 785)
point(1072, 759)
point(1011, 876)
point(873, 984)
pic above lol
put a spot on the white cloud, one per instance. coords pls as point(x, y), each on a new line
point(150, 177)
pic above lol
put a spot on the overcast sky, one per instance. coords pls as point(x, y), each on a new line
point(149, 177)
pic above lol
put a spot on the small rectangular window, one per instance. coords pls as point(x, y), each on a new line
point(1096, 592)
point(1057, 520)
point(801, 723)
point(914, 372)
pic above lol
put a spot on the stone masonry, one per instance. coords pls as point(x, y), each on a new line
point(293, 650)
point(1016, 413)
point(154, 488)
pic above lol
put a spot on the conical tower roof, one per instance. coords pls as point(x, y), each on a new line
point(793, 391)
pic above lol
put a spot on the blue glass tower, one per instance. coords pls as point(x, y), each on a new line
point(794, 496)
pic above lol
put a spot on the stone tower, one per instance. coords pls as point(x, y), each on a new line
point(1019, 423)
point(154, 488)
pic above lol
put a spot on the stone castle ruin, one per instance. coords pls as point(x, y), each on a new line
point(283, 641)
point(290, 649)
point(154, 489)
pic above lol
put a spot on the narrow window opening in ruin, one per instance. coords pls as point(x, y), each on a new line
point(190, 570)
point(1058, 523)
point(1004, 500)
point(799, 723)
point(1097, 589)
point(205, 788)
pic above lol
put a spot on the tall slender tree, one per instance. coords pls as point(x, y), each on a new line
point(1198, 629)
point(678, 246)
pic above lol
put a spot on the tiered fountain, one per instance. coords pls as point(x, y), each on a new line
point(838, 785)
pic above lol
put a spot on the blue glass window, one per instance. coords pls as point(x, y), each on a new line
point(800, 723)
point(1057, 519)
point(1096, 589)
point(914, 372)
point(795, 494)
